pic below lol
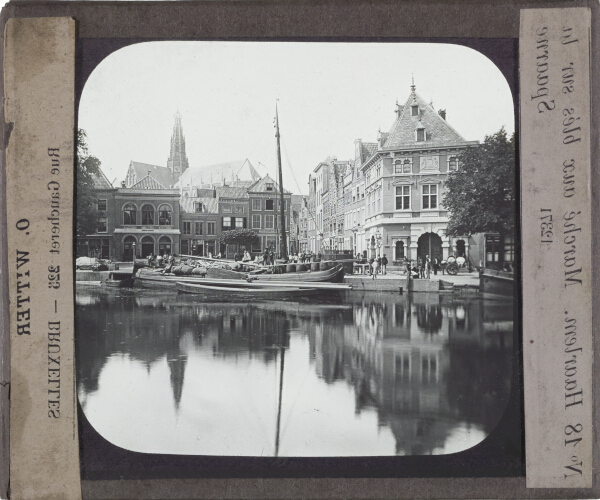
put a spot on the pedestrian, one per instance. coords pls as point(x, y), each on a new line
point(271, 257)
point(420, 268)
point(376, 264)
point(246, 257)
point(408, 269)
point(384, 263)
point(371, 265)
point(435, 265)
point(427, 266)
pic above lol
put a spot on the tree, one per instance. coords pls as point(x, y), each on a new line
point(480, 195)
point(245, 237)
point(88, 166)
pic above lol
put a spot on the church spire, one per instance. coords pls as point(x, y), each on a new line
point(177, 161)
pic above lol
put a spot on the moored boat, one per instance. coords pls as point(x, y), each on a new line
point(244, 291)
point(497, 283)
point(149, 278)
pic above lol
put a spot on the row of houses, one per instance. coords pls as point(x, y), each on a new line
point(388, 199)
point(182, 210)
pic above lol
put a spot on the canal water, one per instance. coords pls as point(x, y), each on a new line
point(363, 375)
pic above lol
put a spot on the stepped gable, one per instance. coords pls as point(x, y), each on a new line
point(260, 186)
point(137, 171)
point(403, 131)
point(187, 204)
point(148, 182)
point(239, 173)
point(100, 181)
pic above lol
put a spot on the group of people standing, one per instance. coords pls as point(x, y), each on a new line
point(422, 268)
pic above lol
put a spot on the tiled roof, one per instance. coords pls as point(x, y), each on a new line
point(188, 204)
point(147, 182)
point(438, 131)
point(161, 174)
point(231, 192)
point(232, 172)
point(367, 150)
point(100, 181)
point(260, 186)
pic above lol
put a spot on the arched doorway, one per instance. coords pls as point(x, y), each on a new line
point(460, 248)
point(430, 244)
point(164, 245)
point(147, 246)
point(128, 248)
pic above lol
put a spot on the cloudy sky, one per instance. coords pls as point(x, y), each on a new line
point(328, 95)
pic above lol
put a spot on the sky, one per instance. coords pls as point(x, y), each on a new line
point(327, 95)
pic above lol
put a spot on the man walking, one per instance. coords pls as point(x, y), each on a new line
point(384, 263)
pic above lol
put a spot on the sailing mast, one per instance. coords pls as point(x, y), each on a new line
point(283, 249)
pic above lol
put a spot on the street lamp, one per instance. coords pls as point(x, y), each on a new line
point(134, 254)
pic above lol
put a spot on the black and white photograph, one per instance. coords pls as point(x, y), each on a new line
point(296, 249)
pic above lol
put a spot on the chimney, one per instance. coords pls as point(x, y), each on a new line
point(442, 113)
point(122, 184)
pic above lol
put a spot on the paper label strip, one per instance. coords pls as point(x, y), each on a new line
point(39, 72)
point(556, 241)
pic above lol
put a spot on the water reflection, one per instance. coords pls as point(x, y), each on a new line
point(369, 375)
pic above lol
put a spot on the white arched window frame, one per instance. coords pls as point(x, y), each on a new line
point(403, 165)
point(165, 215)
point(148, 216)
point(129, 214)
point(452, 163)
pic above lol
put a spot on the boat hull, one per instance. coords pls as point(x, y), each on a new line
point(146, 278)
point(244, 293)
point(497, 283)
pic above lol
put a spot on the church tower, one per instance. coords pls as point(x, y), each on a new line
point(177, 161)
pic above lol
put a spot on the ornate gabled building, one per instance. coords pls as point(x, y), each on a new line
point(405, 184)
point(177, 162)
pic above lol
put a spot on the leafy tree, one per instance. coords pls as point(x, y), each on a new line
point(88, 166)
point(480, 195)
point(245, 237)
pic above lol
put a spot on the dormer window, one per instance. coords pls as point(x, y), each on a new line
point(199, 207)
point(414, 110)
point(420, 133)
point(270, 186)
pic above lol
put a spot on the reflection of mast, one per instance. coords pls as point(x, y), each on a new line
point(279, 406)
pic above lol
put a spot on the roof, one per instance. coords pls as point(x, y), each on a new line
point(231, 192)
point(232, 172)
point(260, 186)
point(187, 204)
point(367, 150)
point(438, 131)
point(162, 175)
point(147, 182)
point(100, 180)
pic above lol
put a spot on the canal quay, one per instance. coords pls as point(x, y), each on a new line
point(371, 372)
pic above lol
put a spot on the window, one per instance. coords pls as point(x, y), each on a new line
point(284, 205)
point(256, 221)
point(378, 173)
point(199, 228)
point(402, 197)
point(269, 222)
point(187, 228)
point(414, 110)
point(452, 163)
point(399, 254)
point(199, 207)
point(509, 249)
point(270, 186)
point(164, 215)
point(405, 167)
point(148, 215)
point(420, 134)
point(226, 222)
point(227, 209)
point(492, 247)
point(210, 228)
point(269, 205)
point(101, 205)
point(239, 209)
point(129, 214)
point(429, 196)
point(256, 205)
point(102, 225)
point(239, 222)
